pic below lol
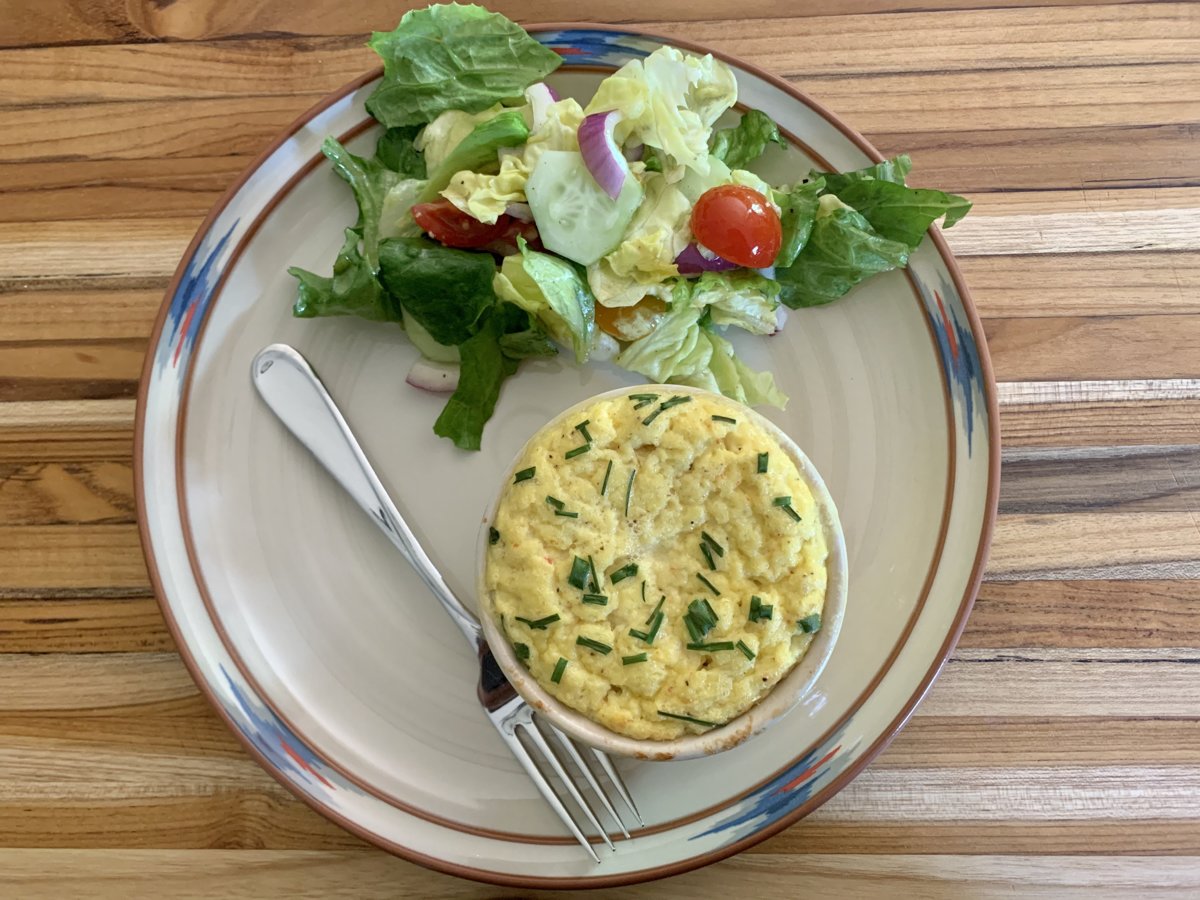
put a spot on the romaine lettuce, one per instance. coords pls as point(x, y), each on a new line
point(370, 180)
point(396, 149)
point(797, 212)
point(446, 290)
point(352, 290)
point(741, 145)
point(450, 56)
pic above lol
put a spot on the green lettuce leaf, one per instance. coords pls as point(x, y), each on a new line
point(553, 292)
point(448, 291)
point(737, 380)
point(396, 150)
point(450, 56)
point(739, 297)
point(370, 180)
point(798, 211)
point(352, 291)
point(739, 146)
point(478, 149)
point(491, 355)
point(902, 213)
point(894, 170)
point(395, 218)
point(842, 251)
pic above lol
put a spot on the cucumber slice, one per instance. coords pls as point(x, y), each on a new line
point(425, 343)
point(575, 218)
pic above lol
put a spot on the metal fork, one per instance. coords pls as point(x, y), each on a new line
point(296, 395)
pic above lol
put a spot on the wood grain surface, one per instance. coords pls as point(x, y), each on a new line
point(1058, 755)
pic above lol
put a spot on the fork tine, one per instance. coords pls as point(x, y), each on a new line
point(572, 751)
point(611, 771)
point(548, 793)
point(554, 758)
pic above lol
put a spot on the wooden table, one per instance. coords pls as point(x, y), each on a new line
point(1060, 751)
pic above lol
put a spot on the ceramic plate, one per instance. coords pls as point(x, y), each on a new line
point(324, 653)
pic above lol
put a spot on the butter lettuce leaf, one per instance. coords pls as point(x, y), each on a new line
point(742, 144)
point(443, 134)
point(842, 251)
point(554, 294)
point(478, 149)
point(352, 290)
point(657, 233)
point(739, 297)
point(448, 291)
point(452, 56)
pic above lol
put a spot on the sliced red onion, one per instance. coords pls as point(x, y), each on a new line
point(540, 96)
point(519, 211)
point(634, 152)
point(441, 378)
point(693, 260)
point(601, 154)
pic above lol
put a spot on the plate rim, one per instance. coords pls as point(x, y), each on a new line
point(889, 732)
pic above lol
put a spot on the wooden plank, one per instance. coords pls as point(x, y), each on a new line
point(103, 681)
point(60, 417)
point(70, 370)
point(88, 312)
point(78, 561)
point(353, 875)
point(1083, 614)
point(1103, 232)
point(1064, 422)
point(1084, 284)
point(1040, 683)
point(1081, 347)
point(111, 625)
point(73, 493)
point(130, 248)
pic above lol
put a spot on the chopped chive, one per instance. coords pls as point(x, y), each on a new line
point(555, 502)
point(638, 406)
point(782, 501)
point(650, 397)
point(693, 627)
point(493, 536)
point(604, 484)
point(595, 599)
point(746, 651)
point(810, 624)
point(640, 635)
point(632, 660)
point(578, 451)
point(710, 615)
point(661, 600)
point(643, 590)
point(762, 462)
point(559, 668)
point(700, 619)
point(759, 610)
point(540, 624)
point(592, 572)
point(566, 515)
point(707, 555)
point(654, 626)
point(629, 491)
point(691, 719)
point(522, 650)
point(712, 542)
point(664, 406)
point(592, 645)
point(713, 647)
point(524, 475)
point(796, 517)
point(582, 429)
point(579, 574)
point(724, 419)
point(708, 584)
point(624, 572)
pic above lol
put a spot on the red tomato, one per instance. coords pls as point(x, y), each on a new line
point(445, 222)
point(738, 224)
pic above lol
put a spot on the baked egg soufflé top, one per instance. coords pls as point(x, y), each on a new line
point(658, 562)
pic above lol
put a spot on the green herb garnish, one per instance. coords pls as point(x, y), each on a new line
point(724, 419)
point(555, 502)
point(579, 574)
point(522, 650)
point(712, 542)
point(632, 660)
point(566, 515)
point(654, 613)
point(524, 475)
point(762, 462)
point(810, 624)
point(624, 572)
point(692, 719)
point(708, 584)
point(595, 599)
point(582, 429)
point(796, 517)
point(713, 647)
point(746, 651)
point(540, 624)
point(592, 571)
point(493, 536)
point(664, 406)
point(592, 645)
point(700, 619)
point(629, 491)
point(655, 623)
point(759, 610)
point(578, 451)
point(782, 501)
point(707, 555)
point(559, 668)
point(643, 399)
point(604, 484)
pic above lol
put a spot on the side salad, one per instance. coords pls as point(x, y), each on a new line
point(499, 221)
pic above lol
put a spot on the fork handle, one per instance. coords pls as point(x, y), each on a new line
point(296, 395)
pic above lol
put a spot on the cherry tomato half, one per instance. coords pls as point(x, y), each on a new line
point(738, 224)
point(446, 223)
